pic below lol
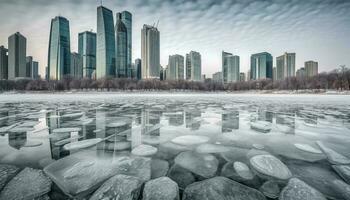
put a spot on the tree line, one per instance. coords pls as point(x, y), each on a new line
point(336, 80)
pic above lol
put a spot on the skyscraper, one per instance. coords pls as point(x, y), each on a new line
point(261, 66)
point(242, 76)
point(76, 70)
point(105, 43)
point(3, 63)
point(193, 66)
point(175, 67)
point(301, 72)
point(217, 77)
point(150, 52)
point(230, 67)
point(35, 70)
point(87, 51)
point(123, 69)
point(59, 49)
point(138, 68)
point(311, 68)
point(285, 66)
point(17, 44)
point(126, 18)
point(29, 66)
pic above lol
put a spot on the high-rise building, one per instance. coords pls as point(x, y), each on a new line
point(29, 66)
point(76, 70)
point(311, 68)
point(274, 73)
point(175, 67)
point(59, 49)
point(17, 44)
point(150, 52)
point(261, 66)
point(285, 66)
point(242, 76)
point(105, 43)
point(87, 50)
point(230, 67)
point(35, 70)
point(138, 68)
point(121, 41)
point(3, 63)
point(193, 66)
point(301, 72)
point(217, 77)
point(126, 18)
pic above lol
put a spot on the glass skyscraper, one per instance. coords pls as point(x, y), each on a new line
point(3, 63)
point(105, 43)
point(121, 38)
point(285, 66)
point(87, 50)
point(261, 66)
point(175, 69)
point(59, 49)
point(150, 52)
point(193, 66)
point(126, 18)
point(230, 67)
point(138, 68)
point(17, 45)
point(76, 70)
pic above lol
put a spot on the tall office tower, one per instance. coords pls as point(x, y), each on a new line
point(126, 18)
point(35, 70)
point(59, 49)
point(29, 66)
point(285, 66)
point(47, 73)
point(242, 76)
point(105, 43)
point(138, 68)
point(161, 73)
point(121, 41)
point(150, 52)
point(274, 73)
point(248, 75)
point(301, 72)
point(193, 66)
point(230, 67)
point(17, 44)
point(261, 66)
point(175, 67)
point(3, 63)
point(217, 77)
point(311, 68)
point(87, 50)
point(76, 70)
point(224, 65)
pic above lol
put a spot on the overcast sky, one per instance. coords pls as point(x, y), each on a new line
point(314, 29)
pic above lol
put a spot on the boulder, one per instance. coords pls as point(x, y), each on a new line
point(181, 176)
point(162, 188)
point(270, 189)
point(159, 168)
point(144, 150)
point(7, 172)
point(343, 171)
point(243, 170)
point(333, 156)
point(342, 188)
point(299, 190)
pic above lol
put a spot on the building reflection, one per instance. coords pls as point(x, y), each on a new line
point(193, 119)
point(17, 140)
point(150, 118)
point(265, 115)
point(230, 121)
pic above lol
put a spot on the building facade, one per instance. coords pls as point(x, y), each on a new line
point(123, 69)
point(29, 66)
point(17, 49)
point(285, 66)
point(126, 18)
point(35, 70)
point(311, 68)
point(230, 67)
point(87, 50)
point(217, 77)
point(105, 44)
point(242, 76)
point(301, 72)
point(3, 63)
point(76, 65)
point(175, 67)
point(59, 49)
point(138, 68)
point(150, 52)
point(261, 66)
point(193, 66)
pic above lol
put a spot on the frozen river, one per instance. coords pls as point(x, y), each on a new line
point(260, 141)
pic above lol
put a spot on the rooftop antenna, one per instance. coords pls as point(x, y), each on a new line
point(157, 23)
point(101, 2)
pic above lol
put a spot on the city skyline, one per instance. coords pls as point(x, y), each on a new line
point(319, 28)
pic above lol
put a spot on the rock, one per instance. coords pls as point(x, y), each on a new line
point(28, 184)
point(220, 188)
point(181, 176)
point(169, 150)
point(270, 167)
point(162, 188)
point(119, 187)
point(261, 126)
point(299, 190)
point(307, 148)
point(343, 171)
point(204, 165)
point(243, 170)
point(236, 154)
point(342, 188)
point(212, 148)
point(7, 172)
point(333, 156)
point(189, 140)
point(144, 150)
point(270, 189)
point(159, 168)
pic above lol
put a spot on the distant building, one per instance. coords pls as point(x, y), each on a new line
point(150, 52)
point(175, 67)
point(203, 77)
point(35, 70)
point(311, 68)
point(17, 47)
point(3, 63)
point(76, 66)
point(242, 76)
point(285, 66)
point(301, 72)
point(87, 50)
point(217, 77)
point(230, 67)
point(126, 18)
point(193, 66)
point(46, 73)
point(59, 49)
point(105, 44)
point(138, 68)
point(261, 66)
point(32, 68)
point(274, 73)
point(161, 73)
point(123, 69)
point(248, 76)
